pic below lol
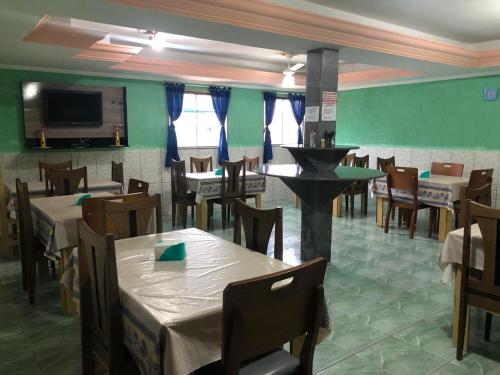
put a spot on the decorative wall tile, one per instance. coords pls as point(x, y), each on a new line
point(464, 157)
point(403, 157)
point(151, 167)
point(442, 156)
point(421, 159)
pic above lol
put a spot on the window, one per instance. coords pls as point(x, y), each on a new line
point(198, 125)
point(283, 127)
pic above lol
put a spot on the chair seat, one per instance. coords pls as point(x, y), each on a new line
point(279, 362)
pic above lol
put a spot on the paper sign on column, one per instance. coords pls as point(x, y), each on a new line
point(329, 106)
point(312, 114)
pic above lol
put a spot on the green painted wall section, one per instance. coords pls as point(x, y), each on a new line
point(440, 114)
point(245, 118)
point(146, 111)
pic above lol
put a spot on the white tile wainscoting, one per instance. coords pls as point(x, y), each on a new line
point(148, 164)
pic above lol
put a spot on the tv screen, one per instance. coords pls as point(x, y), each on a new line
point(72, 108)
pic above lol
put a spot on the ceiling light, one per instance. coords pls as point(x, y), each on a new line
point(156, 41)
point(30, 91)
point(288, 79)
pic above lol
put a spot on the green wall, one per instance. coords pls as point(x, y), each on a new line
point(440, 114)
point(146, 112)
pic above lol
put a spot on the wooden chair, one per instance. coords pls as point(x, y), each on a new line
point(480, 195)
point(201, 164)
point(348, 160)
point(251, 163)
point(31, 249)
point(478, 179)
point(358, 188)
point(233, 187)
point(92, 211)
point(179, 191)
point(447, 169)
point(258, 225)
point(100, 309)
point(403, 178)
point(442, 169)
point(383, 163)
point(43, 168)
point(258, 318)
point(117, 172)
point(137, 186)
point(64, 182)
point(480, 290)
point(132, 219)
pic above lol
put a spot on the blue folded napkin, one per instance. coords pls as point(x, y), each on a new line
point(80, 200)
point(165, 252)
point(425, 174)
point(218, 172)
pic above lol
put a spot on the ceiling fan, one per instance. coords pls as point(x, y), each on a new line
point(289, 72)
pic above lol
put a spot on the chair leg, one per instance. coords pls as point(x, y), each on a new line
point(487, 326)
point(430, 224)
point(31, 282)
point(413, 222)
point(387, 217)
point(53, 266)
point(352, 205)
point(174, 213)
point(393, 213)
point(192, 214)
point(346, 204)
point(223, 211)
point(462, 320)
point(365, 203)
point(184, 215)
point(400, 216)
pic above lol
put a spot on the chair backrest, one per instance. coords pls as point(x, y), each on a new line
point(258, 225)
point(63, 182)
point(201, 164)
point(232, 185)
point(132, 219)
point(383, 163)
point(259, 316)
point(137, 186)
point(95, 218)
point(480, 195)
point(480, 177)
point(117, 172)
point(447, 169)
point(44, 167)
point(361, 161)
point(251, 163)
point(178, 181)
point(483, 291)
point(348, 160)
point(402, 178)
point(100, 308)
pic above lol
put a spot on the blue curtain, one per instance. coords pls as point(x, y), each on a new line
point(175, 96)
point(269, 104)
point(220, 100)
point(298, 102)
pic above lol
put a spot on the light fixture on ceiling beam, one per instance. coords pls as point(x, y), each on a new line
point(289, 72)
point(156, 41)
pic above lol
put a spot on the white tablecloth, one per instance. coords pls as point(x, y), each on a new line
point(437, 190)
point(207, 185)
point(55, 221)
point(177, 306)
point(452, 251)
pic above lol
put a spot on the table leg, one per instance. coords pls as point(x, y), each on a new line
point(456, 307)
point(337, 206)
point(295, 200)
point(258, 200)
point(69, 306)
point(201, 215)
point(379, 211)
point(445, 222)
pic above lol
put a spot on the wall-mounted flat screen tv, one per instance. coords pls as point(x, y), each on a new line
point(72, 108)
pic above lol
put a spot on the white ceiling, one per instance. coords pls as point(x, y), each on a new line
point(466, 21)
point(205, 42)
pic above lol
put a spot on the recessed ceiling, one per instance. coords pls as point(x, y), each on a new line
point(466, 21)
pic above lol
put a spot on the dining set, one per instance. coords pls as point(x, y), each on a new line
point(207, 311)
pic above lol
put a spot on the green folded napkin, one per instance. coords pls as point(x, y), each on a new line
point(80, 200)
point(218, 172)
point(174, 252)
point(425, 174)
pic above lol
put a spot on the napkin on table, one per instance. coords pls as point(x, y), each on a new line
point(169, 250)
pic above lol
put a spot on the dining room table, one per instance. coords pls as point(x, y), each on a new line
point(437, 191)
point(172, 310)
point(450, 261)
point(55, 222)
point(208, 185)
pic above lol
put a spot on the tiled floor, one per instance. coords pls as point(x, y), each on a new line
point(390, 312)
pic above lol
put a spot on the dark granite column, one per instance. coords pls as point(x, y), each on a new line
point(322, 82)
